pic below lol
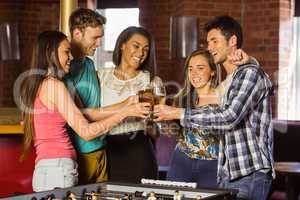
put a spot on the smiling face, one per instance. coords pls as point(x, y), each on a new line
point(64, 55)
point(89, 39)
point(134, 51)
point(199, 72)
point(218, 46)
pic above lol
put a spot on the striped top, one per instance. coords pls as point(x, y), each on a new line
point(244, 122)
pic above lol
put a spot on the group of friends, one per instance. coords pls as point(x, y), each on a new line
point(87, 126)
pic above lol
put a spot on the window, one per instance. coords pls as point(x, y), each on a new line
point(294, 109)
point(289, 105)
point(117, 20)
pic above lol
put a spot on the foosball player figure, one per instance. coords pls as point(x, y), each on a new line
point(177, 195)
point(151, 196)
point(144, 194)
point(94, 196)
point(139, 194)
point(71, 196)
point(126, 197)
point(51, 197)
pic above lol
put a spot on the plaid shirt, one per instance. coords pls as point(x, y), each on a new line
point(244, 122)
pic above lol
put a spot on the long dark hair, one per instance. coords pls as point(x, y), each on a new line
point(187, 96)
point(149, 63)
point(45, 63)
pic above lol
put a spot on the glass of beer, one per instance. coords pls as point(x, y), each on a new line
point(147, 95)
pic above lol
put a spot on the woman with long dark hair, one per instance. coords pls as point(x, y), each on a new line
point(47, 107)
point(130, 150)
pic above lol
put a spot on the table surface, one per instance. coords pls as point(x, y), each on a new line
point(10, 121)
point(288, 167)
point(113, 190)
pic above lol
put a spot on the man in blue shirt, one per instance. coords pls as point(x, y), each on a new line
point(86, 28)
point(243, 120)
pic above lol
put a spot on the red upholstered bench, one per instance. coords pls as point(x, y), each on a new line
point(15, 176)
point(15, 183)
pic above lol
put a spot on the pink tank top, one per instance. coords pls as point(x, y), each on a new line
point(51, 138)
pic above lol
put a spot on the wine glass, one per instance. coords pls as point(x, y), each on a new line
point(159, 91)
point(159, 94)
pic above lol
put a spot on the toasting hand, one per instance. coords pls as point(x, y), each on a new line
point(137, 110)
point(131, 100)
point(164, 113)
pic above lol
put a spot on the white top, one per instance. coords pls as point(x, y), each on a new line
point(224, 86)
point(114, 90)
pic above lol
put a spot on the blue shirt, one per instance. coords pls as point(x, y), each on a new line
point(83, 77)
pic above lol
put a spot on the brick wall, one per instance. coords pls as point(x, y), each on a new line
point(33, 17)
point(262, 22)
point(261, 28)
point(266, 23)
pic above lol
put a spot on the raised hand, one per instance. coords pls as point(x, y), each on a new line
point(238, 57)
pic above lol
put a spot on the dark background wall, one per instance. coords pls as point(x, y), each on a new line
point(32, 17)
point(262, 23)
point(266, 23)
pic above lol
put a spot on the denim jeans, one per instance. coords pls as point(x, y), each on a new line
point(183, 168)
point(54, 173)
point(255, 186)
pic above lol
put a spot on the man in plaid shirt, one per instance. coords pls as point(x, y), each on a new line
point(244, 118)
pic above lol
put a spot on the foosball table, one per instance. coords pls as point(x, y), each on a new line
point(125, 191)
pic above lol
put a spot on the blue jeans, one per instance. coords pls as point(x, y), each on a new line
point(255, 186)
point(183, 168)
